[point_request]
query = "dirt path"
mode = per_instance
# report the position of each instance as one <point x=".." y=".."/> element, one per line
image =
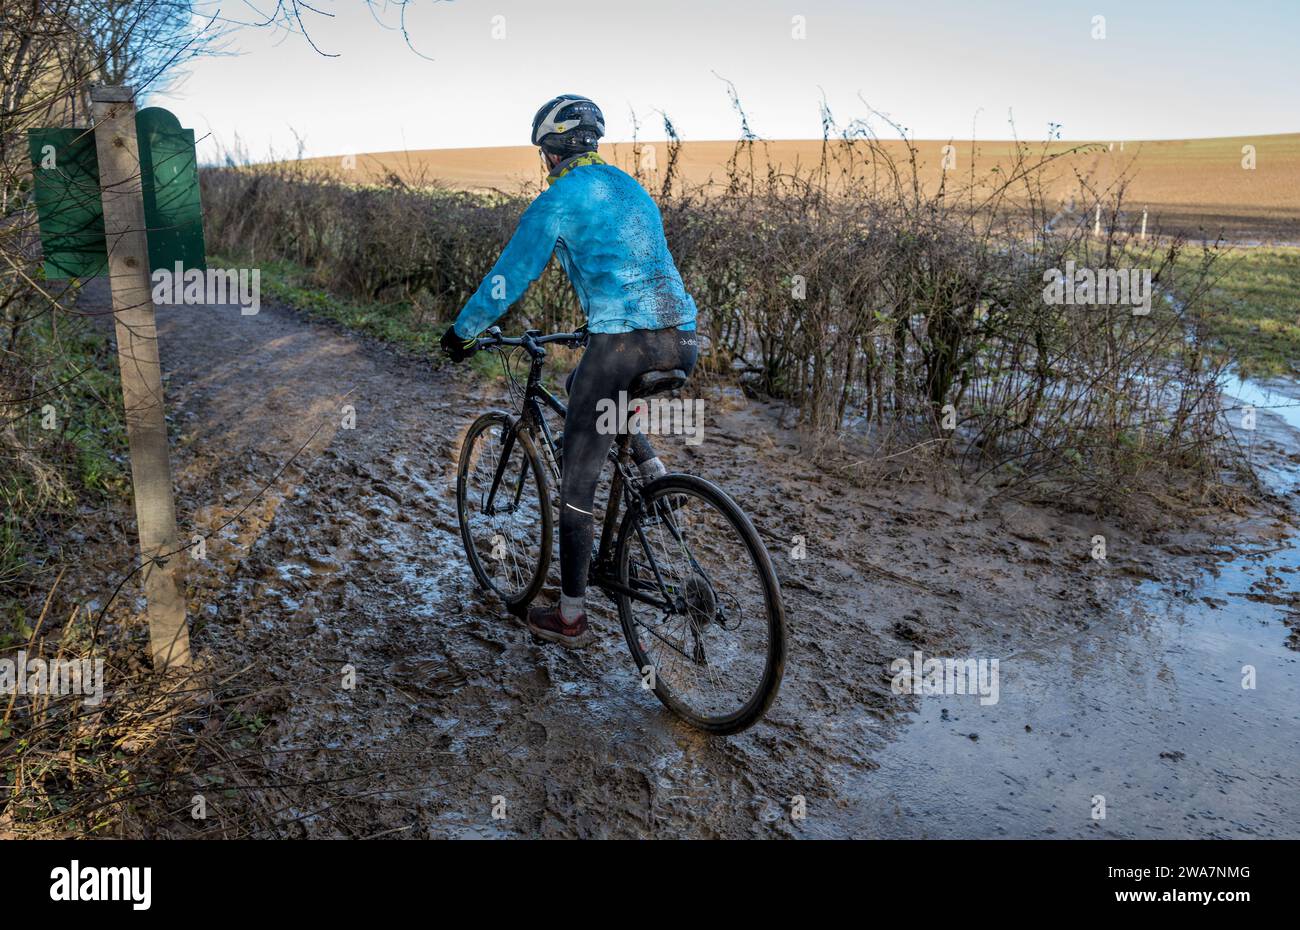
<point x="353" y="558"/>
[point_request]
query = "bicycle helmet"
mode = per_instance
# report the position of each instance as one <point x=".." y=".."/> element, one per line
<point x="567" y="125"/>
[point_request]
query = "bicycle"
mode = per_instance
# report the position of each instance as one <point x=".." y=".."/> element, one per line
<point x="712" y="652"/>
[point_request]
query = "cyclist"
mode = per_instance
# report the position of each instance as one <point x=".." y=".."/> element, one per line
<point x="609" y="237"/>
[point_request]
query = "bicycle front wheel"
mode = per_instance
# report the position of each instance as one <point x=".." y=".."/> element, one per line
<point x="708" y="632"/>
<point x="503" y="503"/>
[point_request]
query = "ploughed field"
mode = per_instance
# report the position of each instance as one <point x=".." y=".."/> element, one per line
<point x="1193" y="186"/>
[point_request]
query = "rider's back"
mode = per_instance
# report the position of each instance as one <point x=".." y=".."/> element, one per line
<point x="608" y="234"/>
<point x="612" y="245"/>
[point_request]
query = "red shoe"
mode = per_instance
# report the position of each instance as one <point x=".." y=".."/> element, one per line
<point x="548" y="623"/>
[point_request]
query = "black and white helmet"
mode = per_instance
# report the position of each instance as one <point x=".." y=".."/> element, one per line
<point x="568" y="124"/>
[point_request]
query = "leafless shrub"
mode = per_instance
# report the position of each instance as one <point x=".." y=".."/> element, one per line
<point x="907" y="316"/>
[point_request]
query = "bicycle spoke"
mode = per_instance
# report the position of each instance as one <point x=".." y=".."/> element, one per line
<point x="502" y="509"/>
<point x="710" y="651"/>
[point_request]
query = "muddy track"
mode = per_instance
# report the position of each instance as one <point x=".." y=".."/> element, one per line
<point x="352" y="558"/>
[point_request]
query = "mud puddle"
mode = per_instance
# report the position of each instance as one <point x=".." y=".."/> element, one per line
<point x="1177" y="715"/>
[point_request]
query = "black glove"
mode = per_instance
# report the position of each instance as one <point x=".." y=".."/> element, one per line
<point x="458" y="347"/>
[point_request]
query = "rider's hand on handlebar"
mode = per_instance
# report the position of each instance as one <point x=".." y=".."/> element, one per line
<point x="457" y="346"/>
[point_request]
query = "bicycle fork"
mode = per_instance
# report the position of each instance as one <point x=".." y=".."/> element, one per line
<point x="507" y="447"/>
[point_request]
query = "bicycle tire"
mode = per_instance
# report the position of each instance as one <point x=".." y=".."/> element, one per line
<point x="514" y="600"/>
<point x="761" y="700"/>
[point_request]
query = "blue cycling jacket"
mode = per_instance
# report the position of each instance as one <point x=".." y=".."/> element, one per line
<point x="610" y="239"/>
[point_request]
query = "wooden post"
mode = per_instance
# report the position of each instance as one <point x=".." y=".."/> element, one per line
<point x="137" y="355"/>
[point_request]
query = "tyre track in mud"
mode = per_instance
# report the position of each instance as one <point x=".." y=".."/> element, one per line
<point x="353" y="558"/>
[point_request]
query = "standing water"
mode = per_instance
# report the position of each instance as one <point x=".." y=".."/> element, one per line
<point x="1180" y="717"/>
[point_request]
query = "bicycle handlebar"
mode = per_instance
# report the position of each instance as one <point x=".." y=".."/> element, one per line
<point x="531" y="341"/>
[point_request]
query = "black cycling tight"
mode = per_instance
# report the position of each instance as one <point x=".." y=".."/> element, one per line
<point x="610" y="364"/>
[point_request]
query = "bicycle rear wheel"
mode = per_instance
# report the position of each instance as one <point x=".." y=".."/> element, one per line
<point x="713" y="649"/>
<point x="503" y="503"/>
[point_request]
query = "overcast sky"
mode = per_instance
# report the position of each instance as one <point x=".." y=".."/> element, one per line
<point x="1162" y="70"/>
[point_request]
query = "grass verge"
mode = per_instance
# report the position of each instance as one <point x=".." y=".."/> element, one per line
<point x="1259" y="290"/>
<point x="64" y="453"/>
<point x="403" y="323"/>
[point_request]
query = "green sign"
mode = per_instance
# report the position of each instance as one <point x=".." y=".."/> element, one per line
<point x="71" y="212"/>
<point x="172" y="209"/>
<point x="68" y="201"/>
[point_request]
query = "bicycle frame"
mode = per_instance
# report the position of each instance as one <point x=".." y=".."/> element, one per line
<point x="536" y="400"/>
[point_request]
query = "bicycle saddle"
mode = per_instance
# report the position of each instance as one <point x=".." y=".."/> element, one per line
<point x="656" y="382"/>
